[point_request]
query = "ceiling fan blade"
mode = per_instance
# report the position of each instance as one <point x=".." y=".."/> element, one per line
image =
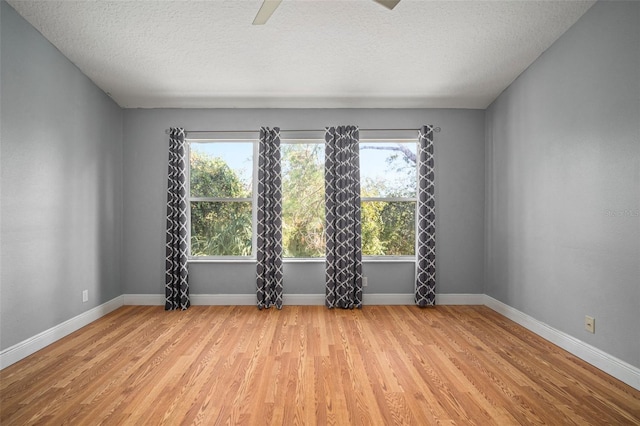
<point x="265" y="12"/>
<point x="389" y="4"/>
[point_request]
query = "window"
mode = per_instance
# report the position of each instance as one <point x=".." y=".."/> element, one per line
<point x="303" y="199"/>
<point x="388" y="179"/>
<point x="221" y="198"/>
<point x="388" y="191"/>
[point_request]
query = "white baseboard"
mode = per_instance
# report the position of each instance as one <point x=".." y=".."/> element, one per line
<point x="459" y="299"/>
<point x="144" y="299"/>
<point x="222" y="299"/>
<point x="387" y="299"/>
<point x="305" y="299"/>
<point x="33" y="344"/>
<point x="301" y="299"/>
<point x="619" y="369"/>
<point x="196" y="299"/>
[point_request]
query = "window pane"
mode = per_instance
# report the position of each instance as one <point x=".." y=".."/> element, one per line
<point x="303" y="200"/>
<point x="220" y="228"/>
<point x="388" y="228"/>
<point x="221" y="170"/>
<point x="388" y="169"/>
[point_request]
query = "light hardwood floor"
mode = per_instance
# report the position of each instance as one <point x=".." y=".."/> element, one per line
<point x="309" y="365"/>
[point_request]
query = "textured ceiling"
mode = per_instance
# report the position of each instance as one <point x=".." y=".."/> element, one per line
<point x="333" y="54"/>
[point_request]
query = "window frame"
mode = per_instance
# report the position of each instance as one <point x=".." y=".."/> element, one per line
<point x="253" y="199"/>
<point x="414" y="199"/>
<point x="302" y="141"/>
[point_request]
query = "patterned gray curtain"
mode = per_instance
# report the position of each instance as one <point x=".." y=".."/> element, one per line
<point x="269" y="237"/>
<point x="342" y="221"/>
<point x="426" y="222"/>
<point x="176" y="276"/>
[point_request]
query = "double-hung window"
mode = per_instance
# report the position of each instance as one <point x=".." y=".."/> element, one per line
<point x="388" y="178"/>
<point x="221" y="200"/>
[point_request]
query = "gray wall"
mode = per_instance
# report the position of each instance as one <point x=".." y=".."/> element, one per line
<point x="459" y="151"/>
<point x="563" y="183"/>
<point x="61" y="194"/>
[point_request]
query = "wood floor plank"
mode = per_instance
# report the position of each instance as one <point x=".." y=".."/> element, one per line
<point x="307" y="365"/>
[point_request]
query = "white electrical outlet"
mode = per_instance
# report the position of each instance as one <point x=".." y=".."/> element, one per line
<point x="85" y="296"/>
<point x="590" y="324"/>
<point x="365" y="281"/>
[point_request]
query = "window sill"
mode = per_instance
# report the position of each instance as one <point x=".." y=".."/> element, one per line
<point x="367" y="259"/>
<point x="390" y="259"/>
<point x="303" y="260"/>
<point x="211" y="260"/>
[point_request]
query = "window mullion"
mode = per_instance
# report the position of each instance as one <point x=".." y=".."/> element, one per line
<point x="221" y="199"/>
<point x="390" y="199"/>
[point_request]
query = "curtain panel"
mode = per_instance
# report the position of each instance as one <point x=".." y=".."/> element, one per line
<point x="176" y="274"/>
<point x="342" y="218"/>
<point x="269" y="223"/>
<point x="426" y="222"/>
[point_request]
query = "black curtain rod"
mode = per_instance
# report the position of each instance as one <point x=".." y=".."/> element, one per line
<point x="167" y="131"/>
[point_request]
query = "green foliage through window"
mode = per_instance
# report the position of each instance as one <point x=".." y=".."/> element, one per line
<point x="388" y="188"/>
<point x="221" y="207"/>
<point x="220" y="228"/>
<point x="388" y="228"/>
<point x="221" y="193"/>
<point x="303" y="200"/>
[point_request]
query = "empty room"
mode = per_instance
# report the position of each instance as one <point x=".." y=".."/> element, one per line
<point x="320" y="212"/>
